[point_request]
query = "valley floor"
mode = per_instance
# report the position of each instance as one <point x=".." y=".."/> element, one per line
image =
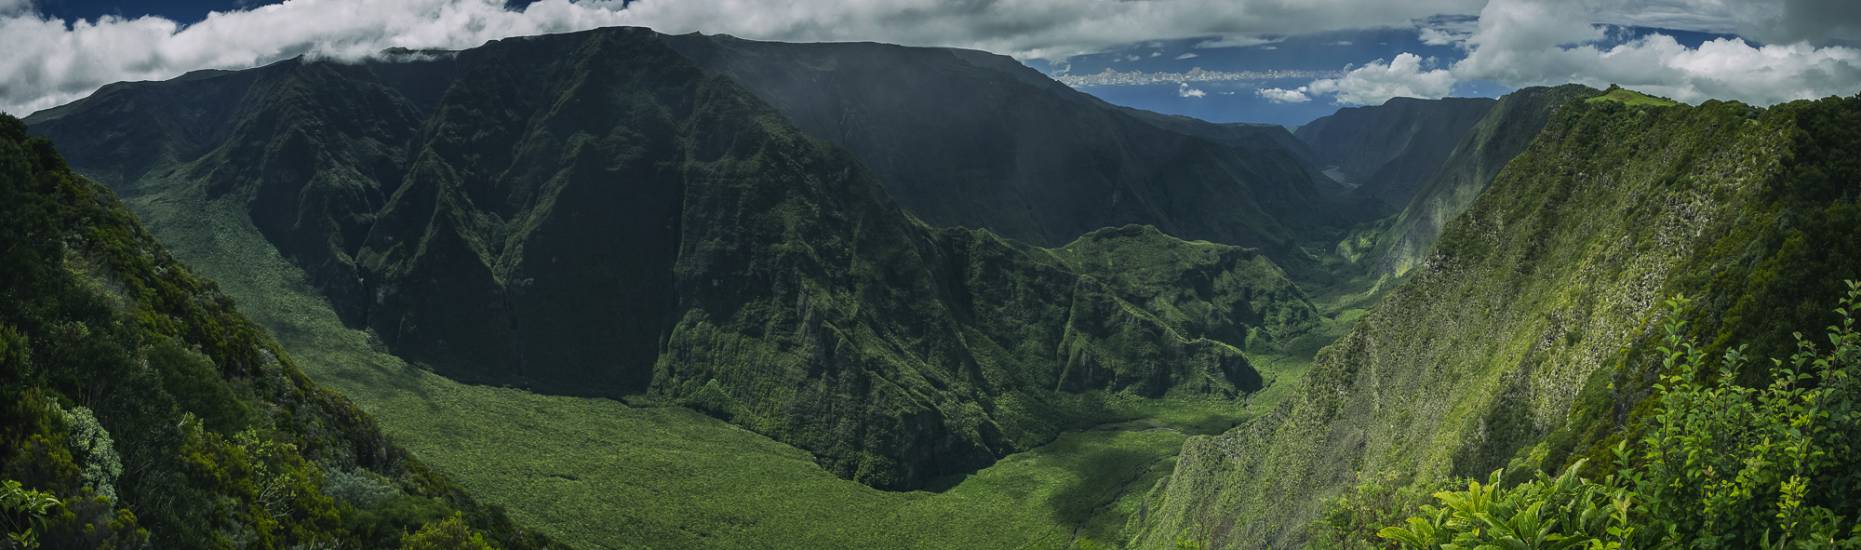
<point x="600" y="473"/>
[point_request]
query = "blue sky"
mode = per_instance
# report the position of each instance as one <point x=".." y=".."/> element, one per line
<point x="1273" y="61"/>
<point x="1236" y="101"/>
<point x="182" y="11"/>
<point x="186" y="11"/>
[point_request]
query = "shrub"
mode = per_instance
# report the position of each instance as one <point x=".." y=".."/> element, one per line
<point x="448" y="534"/>
<point x="1722" y="465"/>
<point x="23" y="513"/>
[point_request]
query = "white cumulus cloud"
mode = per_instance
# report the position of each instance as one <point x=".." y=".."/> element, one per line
<point x="1284" y="95"/>
<point x="1185" y="90"/>
<point x="1188" y="55"/>
<point x="1438" y="37"/>
<point x="1406" y="75"/>
<point x="49" y="62"/>
<point x="1548" y="42"/>
<point x="1533" y="42"/>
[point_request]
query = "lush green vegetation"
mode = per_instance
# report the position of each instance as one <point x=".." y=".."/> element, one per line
<point x="602" y="473"/>
<point x="1374" y="257"/>
<point x="598" y="214"/>
<point x="1625" y="96"/>
<point x="138" y="408"/>
<point x="1403" y="242"/>
<point x="1720" y="465"/>
<point x="1528" y="304"/>
<point x="24" y="513"/>
<point x="763" y="340"/>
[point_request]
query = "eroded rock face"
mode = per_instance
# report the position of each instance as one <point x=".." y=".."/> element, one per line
<point x="595" y="214"/>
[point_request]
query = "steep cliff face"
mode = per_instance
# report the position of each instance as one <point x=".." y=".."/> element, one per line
<point x="596" y="214"/>
<point x="1506" y="346"/>
<point x="1386" y="151"/>
<point x="1500" y="134"/>
<point x="134" y="394"/>
<point x="967" y="138"/>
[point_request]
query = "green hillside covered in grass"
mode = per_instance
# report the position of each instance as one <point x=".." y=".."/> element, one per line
<point x="1625" y="96"/>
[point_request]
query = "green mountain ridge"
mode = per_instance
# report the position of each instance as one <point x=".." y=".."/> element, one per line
<point x="1524" y="340"/>
<point x="973" y="139"/>
<point x="133" y="395"/>
<point x="1500" y="134"/>
<point x="622" y="222"/>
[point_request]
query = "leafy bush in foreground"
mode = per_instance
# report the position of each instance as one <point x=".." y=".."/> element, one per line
<point x="1721" y="466"/>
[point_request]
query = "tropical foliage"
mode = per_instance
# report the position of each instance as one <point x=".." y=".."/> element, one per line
<point x="1723" y="465"/>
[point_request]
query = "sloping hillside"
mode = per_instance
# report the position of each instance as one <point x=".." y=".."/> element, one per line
<point x="1501" y="133"/>
<point x="150" y="413"/>
<point x="1522" y="314"/>
<point x="594" y="214"/>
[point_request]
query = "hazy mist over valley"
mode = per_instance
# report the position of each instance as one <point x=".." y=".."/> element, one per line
<point x="1174" y="274"/>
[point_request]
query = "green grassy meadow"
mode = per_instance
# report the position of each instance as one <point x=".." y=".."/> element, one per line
<point x="600" y="473"/>
<point x="1633" y="98"/>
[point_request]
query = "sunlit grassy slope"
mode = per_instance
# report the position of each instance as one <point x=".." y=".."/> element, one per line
<point x="599" y="473"/>
<point x="1626" y="96"/>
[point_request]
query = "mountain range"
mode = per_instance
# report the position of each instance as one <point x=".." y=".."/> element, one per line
<point x="625" y="221"/>
<point x="988" y="309"/>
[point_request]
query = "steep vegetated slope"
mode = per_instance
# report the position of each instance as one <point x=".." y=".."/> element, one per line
<point x="968" y="138"/>
<point x="1507" y="346"/>
<point x="1262" y="138"/>
<point x="1386" y="151"/>
<point x="139" y="409"/>
<point x="584" y="468"/>
<point x="595" y="214"/>
<point x="1501" y="133"/>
